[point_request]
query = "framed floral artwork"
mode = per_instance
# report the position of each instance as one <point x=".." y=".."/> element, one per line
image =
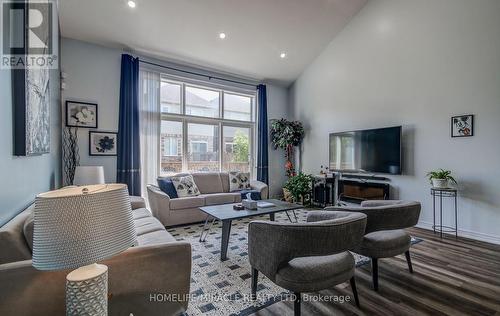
<point x="81" y="114"/>
<point x="102" y="143"/>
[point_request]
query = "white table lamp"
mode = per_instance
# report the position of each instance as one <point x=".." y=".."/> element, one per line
<point x="86" y="175"/>
<point x="77" y="227"/>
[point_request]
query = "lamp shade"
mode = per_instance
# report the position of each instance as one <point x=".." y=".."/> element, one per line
<point x="86" y="175"/>
<point x="78" y="226"/>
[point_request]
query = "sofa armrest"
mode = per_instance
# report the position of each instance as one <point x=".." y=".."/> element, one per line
<point x="135" y="276"/>
<point x="159" y="202"/>
<point x="140" y="273"/>
<point x="137" y="202"/>
<point x="261" y="187"/>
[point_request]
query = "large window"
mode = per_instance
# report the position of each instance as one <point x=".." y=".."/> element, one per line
<point x="171" y="146"/>
<point x="237" y="153"/>
<point x="203" y="145"/>
<point x="205" y="128"/>
<point x="238" y="107"/>
<point x="170" y="95"/>
<point x="202" y="102"/>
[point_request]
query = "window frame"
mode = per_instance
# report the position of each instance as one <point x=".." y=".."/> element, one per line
<point x="219" y="121"/>
<point x="181" y="95"/>
<point x="251" y="145"/>
<point x="183" y="103"/>
<point x="172" y="141"/>
<point x="252" y="105"/>
<point x="183" y="144"/>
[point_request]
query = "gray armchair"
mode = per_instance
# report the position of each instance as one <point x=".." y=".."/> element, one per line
<point x="385" y="236"/>
<point x="306" y="257"/>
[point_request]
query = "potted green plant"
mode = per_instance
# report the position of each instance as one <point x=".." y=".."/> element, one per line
<point x="299" y="187"/>
<point x="286" y="135"/>
<point x="441" y="178"/>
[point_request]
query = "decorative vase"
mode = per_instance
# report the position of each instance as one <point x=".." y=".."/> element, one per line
<point x="440" y="183"/>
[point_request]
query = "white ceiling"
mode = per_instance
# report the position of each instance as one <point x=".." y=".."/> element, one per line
<point x="187" y="30"/>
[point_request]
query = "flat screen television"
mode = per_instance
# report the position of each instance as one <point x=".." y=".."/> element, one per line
<point x="372" y="150"/>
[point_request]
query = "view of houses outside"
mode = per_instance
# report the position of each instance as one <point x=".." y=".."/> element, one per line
<point x="203" y="138"/>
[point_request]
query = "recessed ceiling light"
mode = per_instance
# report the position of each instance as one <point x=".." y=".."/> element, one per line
<point x="283" y="55"/>
<point x="222" y="35"/>
<point x="131" y="4"/>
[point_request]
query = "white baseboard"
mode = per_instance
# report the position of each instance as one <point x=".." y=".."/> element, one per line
<point x="494" y="239"/>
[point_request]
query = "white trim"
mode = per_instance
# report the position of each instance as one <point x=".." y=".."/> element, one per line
<point x="196" y="80"/>
<point x="494" y="239"/>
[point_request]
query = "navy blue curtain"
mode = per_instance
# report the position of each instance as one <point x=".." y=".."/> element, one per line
<point x="128" y="164"/>
<point x="262" y="154"/>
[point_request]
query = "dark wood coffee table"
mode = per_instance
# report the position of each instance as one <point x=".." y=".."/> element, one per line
<point x="227" y="214"/>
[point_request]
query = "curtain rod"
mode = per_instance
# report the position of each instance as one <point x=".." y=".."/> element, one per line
<point x="196" y="74"/>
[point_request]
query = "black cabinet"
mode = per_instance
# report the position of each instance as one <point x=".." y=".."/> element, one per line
<point x="323" y="191"/>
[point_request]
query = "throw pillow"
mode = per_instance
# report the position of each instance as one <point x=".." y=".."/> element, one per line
<point x="239" y="181"/>
<point x="254" y="194"/>
<point x="166" y="185"/>
<point x="185" y="186"/>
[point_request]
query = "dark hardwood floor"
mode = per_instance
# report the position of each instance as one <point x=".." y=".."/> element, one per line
<point x="451" y="277"/>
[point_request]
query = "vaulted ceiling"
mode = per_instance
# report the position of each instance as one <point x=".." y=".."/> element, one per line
<point x="257" y="31"/>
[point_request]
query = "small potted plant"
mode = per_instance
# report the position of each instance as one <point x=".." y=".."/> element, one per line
<point x="299" y="187"/>
<point x="441" y="178"/>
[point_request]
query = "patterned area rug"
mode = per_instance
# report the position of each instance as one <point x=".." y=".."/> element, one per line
<point x="223" y="288"/>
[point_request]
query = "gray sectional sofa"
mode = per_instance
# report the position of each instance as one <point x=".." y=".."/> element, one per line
<point x="214" y="189"/>
<point x="157" y="265"/>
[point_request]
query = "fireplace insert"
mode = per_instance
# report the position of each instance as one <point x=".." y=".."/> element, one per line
<point x="356" y="191"/>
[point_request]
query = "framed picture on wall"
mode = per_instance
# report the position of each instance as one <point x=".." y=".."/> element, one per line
<point x="81" y="114"/>
<point x="31" y="95"/>
<point x="31" y="99"/>
<point x="462" y="126"/>
<point x="102" y="143"/>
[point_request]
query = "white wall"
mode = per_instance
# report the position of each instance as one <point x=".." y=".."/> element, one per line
<point x="93" y="75"/>
<point x="415" y="63"/>
<point x="277" y="108"/>
<point x="25" y="177"/>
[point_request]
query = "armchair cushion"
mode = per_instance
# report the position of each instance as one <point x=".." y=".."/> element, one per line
<point x="310" y="274"/>
<point x="166" y="185"/>
<point x="385" y="243"/>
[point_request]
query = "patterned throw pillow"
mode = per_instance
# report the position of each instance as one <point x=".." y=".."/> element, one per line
<point x="239" y="181"/>
<point x="166" y="185"/>
<point x="185" y="186"/>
